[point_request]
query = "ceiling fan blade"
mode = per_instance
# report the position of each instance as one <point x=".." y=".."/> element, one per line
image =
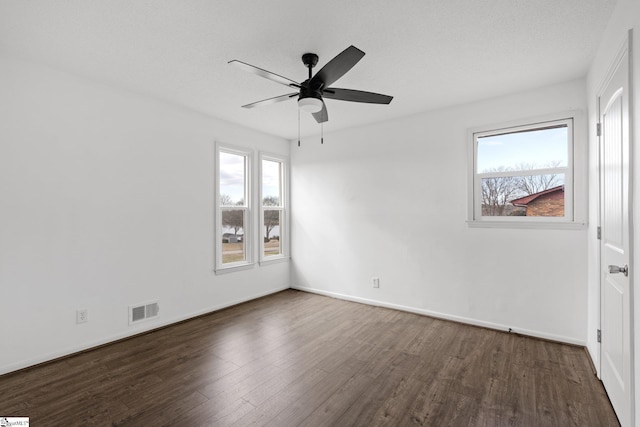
<point x="264" y="73"/>
<point x="322" y="115"/>
<point x="356" y="96"/>
<point x="270" y="101"/>
<point x="337" y="67"/>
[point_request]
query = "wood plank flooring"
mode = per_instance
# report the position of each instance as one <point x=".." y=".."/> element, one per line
<point x="295" y="358"/>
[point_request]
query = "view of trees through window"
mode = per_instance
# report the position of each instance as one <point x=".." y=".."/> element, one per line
<point x="523" y="172"/>
<point x="499" y="193"/>
<point x="233" y="234"/>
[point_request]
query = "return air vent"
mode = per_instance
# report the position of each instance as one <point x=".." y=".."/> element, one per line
<point x="141" y="312"/>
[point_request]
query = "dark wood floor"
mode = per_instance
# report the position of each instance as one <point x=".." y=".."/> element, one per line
<point x="295" y="358"/>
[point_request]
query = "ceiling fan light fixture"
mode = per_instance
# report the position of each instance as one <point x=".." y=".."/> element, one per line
<point x="310" y="104"/>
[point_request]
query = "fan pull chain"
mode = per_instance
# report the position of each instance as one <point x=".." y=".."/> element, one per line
<point x="321" y="133"/>
<point x="298" y="127"/>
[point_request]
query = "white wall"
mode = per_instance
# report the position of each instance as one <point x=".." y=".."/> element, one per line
<point x="390" y="201"/>
<point x="106" y="200"/>
<point x="625" y="16"/>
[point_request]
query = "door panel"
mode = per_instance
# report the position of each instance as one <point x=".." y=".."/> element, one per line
<point x="614" y="247"/>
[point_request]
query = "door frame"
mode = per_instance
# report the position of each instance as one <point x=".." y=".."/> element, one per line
<point x="625" y="49"/>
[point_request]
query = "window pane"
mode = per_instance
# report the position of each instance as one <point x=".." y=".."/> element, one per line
<point x="271" y="183"/>
<point x="272" y="221"/>
<point x="528" y="150"/>
<point x="233" y="236"/>
<point x="532" y="195"/>
<point x="232" y="179"/>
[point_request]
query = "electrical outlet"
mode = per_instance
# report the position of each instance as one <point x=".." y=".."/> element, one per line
<point x="376" y="282"/>
<point x="82" y="315"/>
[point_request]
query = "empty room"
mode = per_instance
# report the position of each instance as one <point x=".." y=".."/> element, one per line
<point x="285" y="213"/>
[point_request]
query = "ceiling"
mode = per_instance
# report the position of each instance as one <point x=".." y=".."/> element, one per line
<point x="428" y="54"/>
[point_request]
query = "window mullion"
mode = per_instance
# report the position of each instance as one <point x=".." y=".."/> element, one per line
<point x="531" y="172"/>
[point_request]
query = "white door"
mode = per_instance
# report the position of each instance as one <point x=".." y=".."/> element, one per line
<point x="616" y="347"/>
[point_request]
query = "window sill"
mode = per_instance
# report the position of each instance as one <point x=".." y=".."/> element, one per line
<point x="232" y="268"/>
<point x="275" y="260"/>
<point x="548" y="225"/>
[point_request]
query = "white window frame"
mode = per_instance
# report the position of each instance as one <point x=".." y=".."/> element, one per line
<point x="247" y="208"/>
<point x="571" y="218"/>
<point x="283" y="208"/>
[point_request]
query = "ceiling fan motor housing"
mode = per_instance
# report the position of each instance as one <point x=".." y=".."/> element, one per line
<point x="307" y="92"/>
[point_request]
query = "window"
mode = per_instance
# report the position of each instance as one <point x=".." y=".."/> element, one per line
<point x="273" y="207"/>
<point x="233" y="219"/>
<point x="523" y="174"/>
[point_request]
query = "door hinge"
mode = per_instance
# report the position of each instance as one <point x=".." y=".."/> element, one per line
<point x="599" y="335"/>
<point x="599" y="233"/>
<point x="599" y="129"/>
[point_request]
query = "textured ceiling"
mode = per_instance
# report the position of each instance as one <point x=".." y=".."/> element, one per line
<point x="428" y="54"/>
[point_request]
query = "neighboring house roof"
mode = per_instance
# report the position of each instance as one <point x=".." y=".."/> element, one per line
<point x="524" y="201"/>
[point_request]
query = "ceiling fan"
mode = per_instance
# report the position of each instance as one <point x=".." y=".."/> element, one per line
<point x="312" y="91"/>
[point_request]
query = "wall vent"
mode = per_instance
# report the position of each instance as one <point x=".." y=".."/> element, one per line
<point x="141" y="312"/>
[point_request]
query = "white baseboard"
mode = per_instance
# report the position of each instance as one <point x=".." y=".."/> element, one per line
<point x="166" y="322"/>
<point x="129" y="333"/>
<point x="592" y="350"/>
<point x="460" y="319"/>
